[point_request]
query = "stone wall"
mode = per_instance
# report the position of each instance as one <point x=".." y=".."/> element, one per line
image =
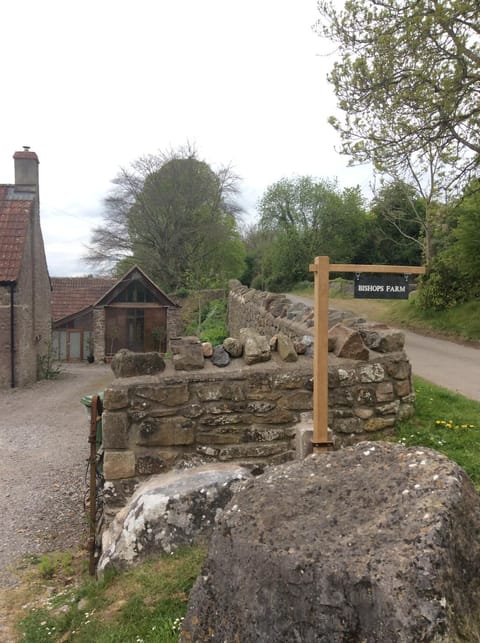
<point x="271" y="313"/>
<point x="250" y="414"/>
<point x="244" y="414"/>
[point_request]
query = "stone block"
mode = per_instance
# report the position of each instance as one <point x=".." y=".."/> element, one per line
<point x="115" y="399"/>
<point x="115" y="430"/>
<point x="167" y="394"/>
<point x="389" y="409"/>
<point x="235" y="391"/>
<point x="297" y="400"/>
<point x="365" y="395"/>
<point x="118" y="465"/>
<point x="347" y="425"/>
<point x="286" y="349"/>
<point x="187" y="353"/>
<point x="399" y="369"/>
<point x="303" y="441"/>
<point x="364" y="413"/>
<point x="125" y="363"/>
<point x="233" y="346"/>
<point x="377" y="424"/>
<point x="220" y="435"/>
<point x="384" y="392"/>
<point x="403" y="387"/>
<point x="348" y="343"/>
<point x="256" y="348"/>
<point x="169" y="431"/>
<point x="239" y="451"/>
<point x="371" y="373"/>
<point x="207" y="349"/>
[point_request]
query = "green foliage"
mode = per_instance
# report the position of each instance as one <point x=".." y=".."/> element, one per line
<point x="407" y="82"/>
<point x="446" y="422"/>
<point x="302" y="218"/>
<point x="445" y="284"/>
<point x="145" y="603"/>
<point x="467" y="232"/>
<point x="48" y="365"/>
<point x="396" y="226"/>
<point x="176" y="218"/>
<point x="212" y="323"/>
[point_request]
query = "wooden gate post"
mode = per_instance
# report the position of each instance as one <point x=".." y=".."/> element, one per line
<point x="320" y="440"/>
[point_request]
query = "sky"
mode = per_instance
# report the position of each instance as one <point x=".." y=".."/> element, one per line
<point x="91" y="86"/>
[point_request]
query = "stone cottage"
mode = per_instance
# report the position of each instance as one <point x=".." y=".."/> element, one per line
<point x="25" y="294"/>
<point x="97" y="316"/>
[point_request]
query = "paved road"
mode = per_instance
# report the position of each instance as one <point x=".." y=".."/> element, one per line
<point x="440" y="361"/>
<point x="445" y="363"/>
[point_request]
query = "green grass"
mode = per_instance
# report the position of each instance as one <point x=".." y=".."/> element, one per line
<point x="142" y="605"/>
<point x="447" y="422"/>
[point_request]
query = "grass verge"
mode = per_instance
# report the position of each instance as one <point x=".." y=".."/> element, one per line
<point x="144" y="604"/>
<point x="447" y="422"/>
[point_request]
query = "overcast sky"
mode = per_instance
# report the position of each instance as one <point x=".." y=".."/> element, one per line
<point x="91" y="86"/>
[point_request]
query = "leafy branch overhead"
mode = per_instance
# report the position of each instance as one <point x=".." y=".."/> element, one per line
<point x="408" y="83"/>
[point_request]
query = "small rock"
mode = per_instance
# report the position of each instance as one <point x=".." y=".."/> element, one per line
<point x="220" y="357"/>
<point x="207" y="349"/>
<point x="233" y="346"/>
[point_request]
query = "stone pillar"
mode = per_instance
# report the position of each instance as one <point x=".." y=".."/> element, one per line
<point x="98" y="332"/>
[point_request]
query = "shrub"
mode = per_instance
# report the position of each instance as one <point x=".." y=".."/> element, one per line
<point x="444" y="285"/>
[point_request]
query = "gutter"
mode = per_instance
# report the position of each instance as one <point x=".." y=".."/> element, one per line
<point x="11" y="285"/>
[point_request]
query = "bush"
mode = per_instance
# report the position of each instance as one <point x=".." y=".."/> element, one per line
<point x="213" y="327"/>
<point x="445" y="285"/>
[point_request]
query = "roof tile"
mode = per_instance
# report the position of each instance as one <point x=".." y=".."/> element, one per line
<point x="70" y="295"/>
<point x="15" y="211"/>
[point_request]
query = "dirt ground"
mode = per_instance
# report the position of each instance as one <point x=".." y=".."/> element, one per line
<point x="43" y="453"/>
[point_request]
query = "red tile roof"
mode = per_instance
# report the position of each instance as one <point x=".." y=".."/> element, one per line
<point x="71" y="295"/>
<point x="15" y="213"/>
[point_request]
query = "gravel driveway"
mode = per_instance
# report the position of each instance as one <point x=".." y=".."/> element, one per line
<point x="43" y="458"/>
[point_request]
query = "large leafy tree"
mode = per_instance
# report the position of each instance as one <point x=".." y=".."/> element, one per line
<point x="175" y="217"/>
<point x="407" y="80"/>
<point x="415" y="61"/>
<point x="307" y="217"/>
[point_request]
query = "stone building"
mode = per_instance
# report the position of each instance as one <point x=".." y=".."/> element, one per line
<point x="97" y="316"/>
<point x="25" y="294"/>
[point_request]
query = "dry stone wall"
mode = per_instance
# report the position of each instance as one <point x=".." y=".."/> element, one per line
<point x="248" y="414"/>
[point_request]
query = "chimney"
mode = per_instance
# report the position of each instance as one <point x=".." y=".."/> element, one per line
<point x="26" y="171"/>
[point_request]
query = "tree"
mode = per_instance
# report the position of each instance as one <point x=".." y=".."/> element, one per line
<point x="309" y="217"/>
<point x="408" y="82"/>
<point x="466" y="247"/>
<point x="399" y="223"/>
<point x="176" y="218"/>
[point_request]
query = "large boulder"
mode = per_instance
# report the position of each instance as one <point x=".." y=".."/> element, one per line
<point x="169" y="510"/>
<point x="125" y="363"/>
<point x="375" y="542"/>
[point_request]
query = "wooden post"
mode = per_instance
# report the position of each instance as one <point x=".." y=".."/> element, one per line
<point x="320" y="439"/>
<point x="322" y="269"/>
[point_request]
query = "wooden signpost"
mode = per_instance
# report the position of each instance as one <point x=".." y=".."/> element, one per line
<point x="322" y="269"/>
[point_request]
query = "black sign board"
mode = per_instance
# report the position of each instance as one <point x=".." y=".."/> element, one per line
<point x="387" y="286"/>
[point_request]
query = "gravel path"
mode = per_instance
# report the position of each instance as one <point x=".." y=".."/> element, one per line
<point x="43" y="458"/>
